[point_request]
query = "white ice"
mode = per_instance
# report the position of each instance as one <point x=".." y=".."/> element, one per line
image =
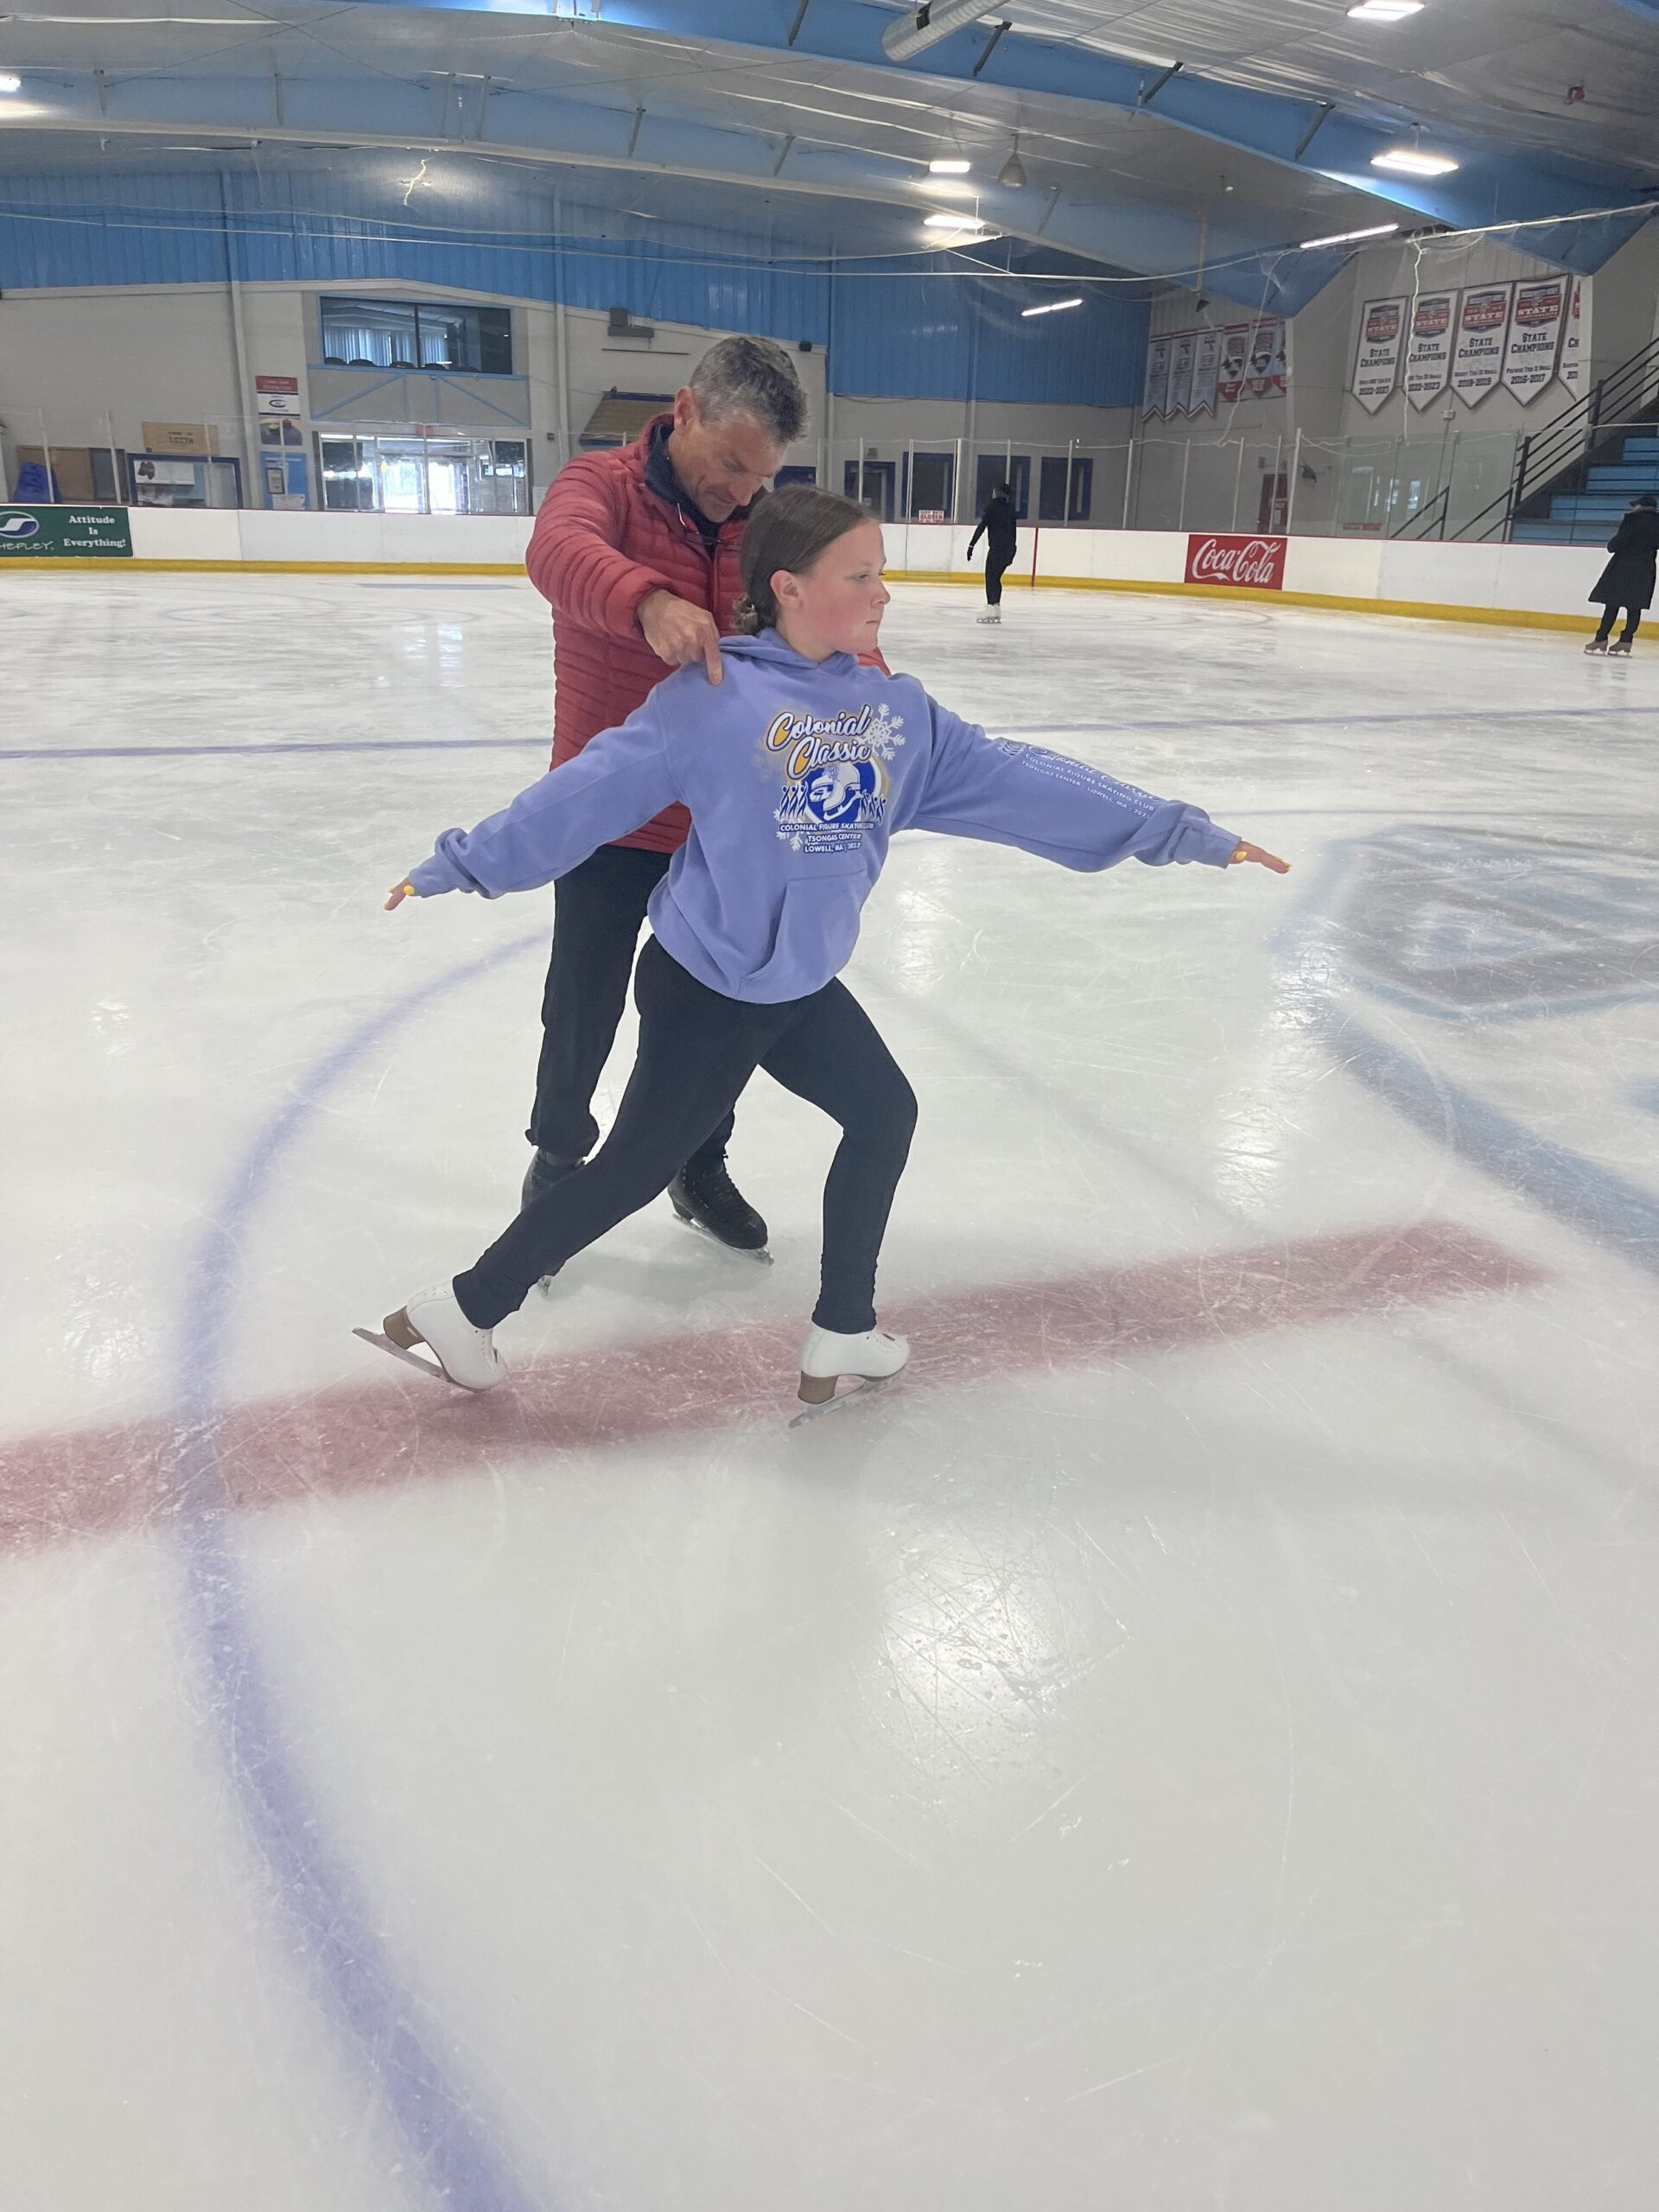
<point x="1200" y="1754"/>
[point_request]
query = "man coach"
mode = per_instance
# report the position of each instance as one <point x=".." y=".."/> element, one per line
<point x="636" y="551"/>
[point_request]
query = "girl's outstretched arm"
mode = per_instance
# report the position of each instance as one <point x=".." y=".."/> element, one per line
<point x="619" y="779"/>
<point x="1009" y="794"/>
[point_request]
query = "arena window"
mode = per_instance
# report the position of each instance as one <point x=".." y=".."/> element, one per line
<point x="417" y="334"/>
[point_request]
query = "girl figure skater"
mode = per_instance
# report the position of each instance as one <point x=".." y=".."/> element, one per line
<point x="997" y="525"/>
<point x="797" y="769"/>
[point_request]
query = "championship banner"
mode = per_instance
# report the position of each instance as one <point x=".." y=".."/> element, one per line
<point x="1534" y="342"/>
<point x="1269" y="371"/>
<point x="1182" y="347"/>
<point x="65" y="533"/>
<point x="1483" y="333"/>
<point x="1234" y="359"/>
<point x="1156" y="400"/>
<point x="1206" y="367"/>
<point x="1575" y="346"/>
<point x="1246" y="563"/>
<point x="1376" y="358"/>
<point x="1429" y="349"/>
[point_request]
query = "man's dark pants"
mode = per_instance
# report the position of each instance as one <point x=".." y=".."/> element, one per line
<point x="599" y="910"/>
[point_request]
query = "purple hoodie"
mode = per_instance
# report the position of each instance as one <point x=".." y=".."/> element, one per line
<point x="796" y="774"/>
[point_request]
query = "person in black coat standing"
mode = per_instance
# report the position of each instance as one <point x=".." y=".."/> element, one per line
<point x="1627" y="581"/>
<point x="996" y="526"/>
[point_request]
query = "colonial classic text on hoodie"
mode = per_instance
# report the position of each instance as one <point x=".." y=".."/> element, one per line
<point x="796" y="774"/>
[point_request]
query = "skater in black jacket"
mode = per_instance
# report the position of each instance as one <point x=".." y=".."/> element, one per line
<point x="996" y="526"/>
<point x="1628" y="579"/>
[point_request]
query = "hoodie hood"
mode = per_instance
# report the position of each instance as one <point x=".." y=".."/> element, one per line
<point x="767" y="649"/>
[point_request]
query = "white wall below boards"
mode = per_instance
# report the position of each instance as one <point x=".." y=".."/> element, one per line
<point x="251" y="534"/>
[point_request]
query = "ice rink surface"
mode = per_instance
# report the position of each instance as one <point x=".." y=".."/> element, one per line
<point x="1191" y="1744"/>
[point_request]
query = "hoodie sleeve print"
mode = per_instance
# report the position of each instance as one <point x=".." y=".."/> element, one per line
<point x="619" y="780"/>
<point x="1008" y="794"/>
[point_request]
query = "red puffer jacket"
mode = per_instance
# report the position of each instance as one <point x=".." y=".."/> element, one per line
<point x="602" y="541"/>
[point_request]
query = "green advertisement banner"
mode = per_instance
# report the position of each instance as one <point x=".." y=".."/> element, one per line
<point x="65" y="534"/>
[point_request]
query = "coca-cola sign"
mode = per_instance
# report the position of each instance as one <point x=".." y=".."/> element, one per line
<point x="1246" y="563"/>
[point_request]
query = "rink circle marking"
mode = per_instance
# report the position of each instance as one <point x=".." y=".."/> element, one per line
<point x="1596" y="1201"/>
<point x="314" y="1888"/>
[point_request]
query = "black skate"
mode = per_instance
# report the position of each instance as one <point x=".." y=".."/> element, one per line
<point x="545" y="1170"/>
<point x="1619" y="645"/>
<point x="707" y="1198"/>
<point x="1597" y="645"/>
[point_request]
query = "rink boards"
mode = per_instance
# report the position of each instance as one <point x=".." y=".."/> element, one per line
<point x="1531" y="586"/>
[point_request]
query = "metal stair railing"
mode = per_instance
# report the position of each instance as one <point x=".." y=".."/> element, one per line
<point x="1622" y="399"/>
<point x="1429" y="521"/>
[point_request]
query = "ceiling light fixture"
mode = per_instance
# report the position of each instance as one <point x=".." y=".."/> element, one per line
<point x="953" y="223"/>
<point x="10" y="83"/>
<point x="1051" y="306"/>
<point x="1408" y="161"/>
<point x="949" y="169"/>
<point x="1350" y="238"/>
<point x="1013" y="171"/>
<point x="925" y="26"/>
<point x="1385" y="11"/>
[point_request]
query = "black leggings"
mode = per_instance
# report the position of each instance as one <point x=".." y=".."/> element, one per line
<point x="1609" y="615"/>
<point x="996" y="562"/>
<point x="599" y="910"/>
<point x="697" y="1049"/>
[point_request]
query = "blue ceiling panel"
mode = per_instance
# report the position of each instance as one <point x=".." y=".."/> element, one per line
<point x="922" y="326"/>
<point x="918" y="325"/>
<point x="79" y="231"/>
<point x="942" y="334"/>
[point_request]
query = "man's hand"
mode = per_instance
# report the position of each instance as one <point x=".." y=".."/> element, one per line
<point x="679" y="633"/>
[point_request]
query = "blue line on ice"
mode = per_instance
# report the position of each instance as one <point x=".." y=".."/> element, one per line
<point x="542" y="742"/>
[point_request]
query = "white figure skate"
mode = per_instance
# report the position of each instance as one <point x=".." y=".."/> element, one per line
<point x="870" y="1359"/>
<point x="465" y="1355"/>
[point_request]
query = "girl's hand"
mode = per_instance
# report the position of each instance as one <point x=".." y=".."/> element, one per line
<point x="1265" y="860"/>
<point x="406" y="890"/>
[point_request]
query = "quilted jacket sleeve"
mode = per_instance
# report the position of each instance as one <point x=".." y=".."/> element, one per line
<point x="576" y="559"/>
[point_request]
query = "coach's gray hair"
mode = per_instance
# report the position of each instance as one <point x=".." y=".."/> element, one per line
<point x="755" y="378"/>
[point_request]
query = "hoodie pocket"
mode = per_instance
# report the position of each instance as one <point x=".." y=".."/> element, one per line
<point x="817" y="931"/>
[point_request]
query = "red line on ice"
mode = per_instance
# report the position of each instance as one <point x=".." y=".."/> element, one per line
<point x="360" y="1435"/>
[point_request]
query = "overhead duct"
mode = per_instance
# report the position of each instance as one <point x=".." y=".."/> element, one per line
<point x="933" y="20"/>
